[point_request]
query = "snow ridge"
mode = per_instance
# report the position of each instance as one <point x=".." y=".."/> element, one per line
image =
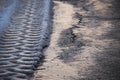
<point x="45" y="25"/>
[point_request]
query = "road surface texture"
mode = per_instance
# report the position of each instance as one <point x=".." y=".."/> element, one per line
<point x="25" y="29"/>
<point x="85" y="43"/>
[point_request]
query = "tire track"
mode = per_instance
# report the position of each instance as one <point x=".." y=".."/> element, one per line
<point x="6" y="12"/>
<point x="20" y="49"/>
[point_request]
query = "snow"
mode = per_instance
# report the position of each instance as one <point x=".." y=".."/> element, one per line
<point x="6" y="13"/>
<point x="45" y="25"/>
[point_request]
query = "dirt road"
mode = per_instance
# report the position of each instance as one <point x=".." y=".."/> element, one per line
<point x="85" y="42"/>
